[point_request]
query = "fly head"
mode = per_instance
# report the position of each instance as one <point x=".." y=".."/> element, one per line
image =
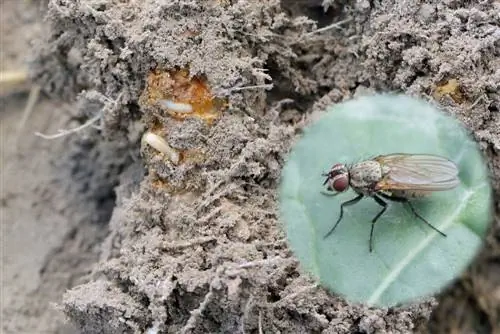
<point x="337" y="178"/>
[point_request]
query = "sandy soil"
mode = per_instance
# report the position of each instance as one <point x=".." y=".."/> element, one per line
<point x="110" y="235"/>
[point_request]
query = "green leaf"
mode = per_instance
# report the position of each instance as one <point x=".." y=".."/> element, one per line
<point x="409" y="261"/>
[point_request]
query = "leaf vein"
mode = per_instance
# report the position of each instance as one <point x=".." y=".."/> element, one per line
<point x="394" y="274"/>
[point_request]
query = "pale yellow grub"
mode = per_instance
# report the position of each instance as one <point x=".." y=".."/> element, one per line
<point x="161" y="145"/>
<point x="182" y="108"/>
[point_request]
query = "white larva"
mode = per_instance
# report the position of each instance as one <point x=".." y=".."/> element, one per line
<point x="161" y="145"/>
<point x="183" y="108"/>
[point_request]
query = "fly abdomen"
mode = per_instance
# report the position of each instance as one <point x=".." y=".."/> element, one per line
<point x="409" y="193"/>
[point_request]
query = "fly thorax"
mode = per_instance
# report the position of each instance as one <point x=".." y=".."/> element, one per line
<point x="365" y="174"/>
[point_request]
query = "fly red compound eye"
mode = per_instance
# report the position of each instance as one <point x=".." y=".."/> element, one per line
<point x="337" y="178"/>
<point x="340" y="183"/>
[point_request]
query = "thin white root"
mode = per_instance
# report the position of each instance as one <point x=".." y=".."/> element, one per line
<point x="236" y="270"/>
<point x="329" y="27"/>
<point x="265" y="262"/>
<point x="246" y="313"/>
<point x="225" y="91"/>
<point x="28" y="109"/>
<point x="187" y="244"/>
<point x="259" y="73"/>
<point x="63" y="133"/>
<point x="197" y="313"/>
<point x="260" y="322"/>
<point x="476" y="102"/>
<point x="299" y="292"/>
<point x="183" y="108"/>
<point x="161" y="145"/>
<point x="265" y="86"/>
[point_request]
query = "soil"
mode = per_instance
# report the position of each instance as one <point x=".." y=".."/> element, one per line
<point x="101" y="233"/>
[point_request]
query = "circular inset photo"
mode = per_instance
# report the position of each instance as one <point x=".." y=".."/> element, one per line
<point x="385" y="200"/>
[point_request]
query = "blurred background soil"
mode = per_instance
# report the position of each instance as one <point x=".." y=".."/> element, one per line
<point x="101" y="234"/>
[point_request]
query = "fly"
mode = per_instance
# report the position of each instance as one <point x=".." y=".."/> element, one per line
<point x="394" y="177"/>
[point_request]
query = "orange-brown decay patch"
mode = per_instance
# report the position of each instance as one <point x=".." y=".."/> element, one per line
<point x="190" y="33"/>
<point x="192" y="156"/>
<point x="159" y="183"/>
<point x="156" y="127"/>
<point x="450" y="88"/>
<point x="178" y="87"/>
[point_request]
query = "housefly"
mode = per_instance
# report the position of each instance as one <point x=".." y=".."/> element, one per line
<point x="394" y="177"/>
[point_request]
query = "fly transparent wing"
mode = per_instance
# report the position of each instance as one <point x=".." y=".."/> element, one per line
<point x="418" y="172"/>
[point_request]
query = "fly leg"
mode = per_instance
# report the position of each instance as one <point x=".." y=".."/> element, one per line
<point x="329" y="193"/>
<point x="405" y="200"/>
<point x="383" y="204"/>
<point x="349" y="202"/>
<point x="422" y="219"/>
